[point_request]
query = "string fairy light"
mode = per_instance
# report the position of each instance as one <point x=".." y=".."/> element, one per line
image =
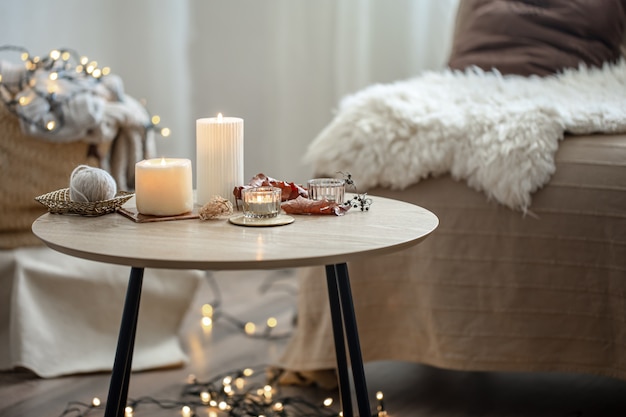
<point x="247" y="392"/>
<point x="255" y="395"/>
<point x="47" y="79"/>
<point x="212" y="311"/>
<point x="255" y="398"/>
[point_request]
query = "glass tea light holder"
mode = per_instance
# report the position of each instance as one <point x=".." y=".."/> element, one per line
<point x="331" y="189"/>
<point x="261" y="202"/>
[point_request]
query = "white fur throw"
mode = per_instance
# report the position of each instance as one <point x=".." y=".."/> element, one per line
<point x="497" y="133"/>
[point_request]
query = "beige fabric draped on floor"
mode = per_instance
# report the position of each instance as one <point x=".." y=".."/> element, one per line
<point x="61" y="315"/>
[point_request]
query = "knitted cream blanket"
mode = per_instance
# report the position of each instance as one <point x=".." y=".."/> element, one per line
<point x="497" y="133"/>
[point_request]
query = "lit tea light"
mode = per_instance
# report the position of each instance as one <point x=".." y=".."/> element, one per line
<point x="163" y="187"/>
<point x="261" y="202"/>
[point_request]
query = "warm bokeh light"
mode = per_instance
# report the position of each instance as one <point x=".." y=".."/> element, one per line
<point x="249" y="328"/>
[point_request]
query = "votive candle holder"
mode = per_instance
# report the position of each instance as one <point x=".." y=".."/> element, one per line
<point x="261" y="202"/>
<point x="331" y="189"/>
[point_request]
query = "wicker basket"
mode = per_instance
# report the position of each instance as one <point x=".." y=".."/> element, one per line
<point x="59" y="202"/>
<point x="30" y="167"/>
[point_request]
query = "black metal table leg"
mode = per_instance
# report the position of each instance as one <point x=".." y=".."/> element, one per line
<point x="120" y="377"/>
<point x="352" y="337"/>
<point x="344" y="319"/>
<point x="340" y="348"/>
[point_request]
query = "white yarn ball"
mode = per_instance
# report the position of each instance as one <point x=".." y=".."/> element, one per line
<point x="91" y="184"/>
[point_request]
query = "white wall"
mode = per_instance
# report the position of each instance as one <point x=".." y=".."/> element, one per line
<point x="282" y="65"/>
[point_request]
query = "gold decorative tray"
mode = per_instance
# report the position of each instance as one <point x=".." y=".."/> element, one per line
<point x="59" y="202"/>
<point x="279" y="220"/>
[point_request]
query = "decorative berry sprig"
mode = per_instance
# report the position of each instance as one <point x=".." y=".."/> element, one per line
<point x="360" y="201"/>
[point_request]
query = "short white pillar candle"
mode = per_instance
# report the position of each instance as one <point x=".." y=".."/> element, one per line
<point x="163" y="187"/>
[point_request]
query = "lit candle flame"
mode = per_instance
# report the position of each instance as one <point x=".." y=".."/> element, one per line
<point x="162" y="160"/>
<point x="219" y="117"/>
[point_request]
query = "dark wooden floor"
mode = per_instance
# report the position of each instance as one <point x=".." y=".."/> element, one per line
<point x="409" y="389"/>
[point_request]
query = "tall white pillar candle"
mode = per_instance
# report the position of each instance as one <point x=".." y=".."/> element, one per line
<point x="219" y="157"/>
<point x="163" y="187"/>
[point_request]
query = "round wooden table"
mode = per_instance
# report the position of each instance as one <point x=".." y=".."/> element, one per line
<point x="388" y="226"/>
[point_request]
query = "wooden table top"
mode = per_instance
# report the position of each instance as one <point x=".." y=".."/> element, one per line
<point x="388" y="226"/>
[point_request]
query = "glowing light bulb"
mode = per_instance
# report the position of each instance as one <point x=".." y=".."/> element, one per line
<point x="186" y="411"/>
<point x="222" y="405"/>
<point x="97" y="73"/>
<point x="249" y="328"/>
<point x="128" y="411"/>
<point x="84" y="60"/>
<point x="51" y="125"/>
<point x="207" y="310"/>
<point x="279" y="406"/>
<point x="248" y="372"/>
<point x="328" y="402"/>
<point x="381" y="407"/>
<point x="96" y="402"/>
<point x="54" y="76"/>
<point x="227" y="380"/>
<point x="79" y="68"/>
<point x="165" y="132"/>
<point x="205" y="397"/>
<point x="55" y="54"/>
<point x="156" y="119"/>
<point x="65" y="56"/>
<point x="272" y="322"/>
<point x="24" y="56"/>
<point x="207" y="322"/>
<point x="91" y="67"/>
<point x="106" y="71"/>
<point x="240" y="383"/>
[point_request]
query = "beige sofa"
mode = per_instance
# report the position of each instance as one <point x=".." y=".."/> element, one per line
<point x="494" y="289"/>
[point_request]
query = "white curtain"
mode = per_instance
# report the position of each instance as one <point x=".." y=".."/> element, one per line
<point x="281" y="65"/>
